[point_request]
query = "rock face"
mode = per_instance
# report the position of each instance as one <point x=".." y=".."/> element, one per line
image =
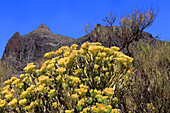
<point x="12" y="50"/>
<point x="21" y="50"/>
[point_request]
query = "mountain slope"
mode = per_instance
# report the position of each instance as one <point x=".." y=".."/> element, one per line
<point x="21" y="50"/>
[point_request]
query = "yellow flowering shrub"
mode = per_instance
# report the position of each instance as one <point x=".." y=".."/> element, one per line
<point x="85" y="80"/>
<point x="22" y="102"/>
<point x="13" y="103"/>
<point x="2" y="103"/>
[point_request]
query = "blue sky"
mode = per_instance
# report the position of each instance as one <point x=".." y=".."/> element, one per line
<point x="69" y="17"/>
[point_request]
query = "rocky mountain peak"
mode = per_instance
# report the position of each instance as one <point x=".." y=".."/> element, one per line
<point x="14" y="44"/>
<point x="43" y="26"/>
<point x="43" y="29"/>
<point x="17" y="34"/>
<point x="21" y="50"/>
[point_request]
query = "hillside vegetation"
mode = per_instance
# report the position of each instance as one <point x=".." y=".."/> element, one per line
<point x="152" y="76"/>
<point x="6" y="70"/>
<point x="97" y="77"/>
<point x="93" y="79"/>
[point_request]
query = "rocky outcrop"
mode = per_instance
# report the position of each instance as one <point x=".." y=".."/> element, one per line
<point x="21" y="50"/>
<point x="12" y="50"/>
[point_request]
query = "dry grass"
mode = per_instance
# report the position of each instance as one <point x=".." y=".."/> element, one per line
<point x="152" y="80"/>
<point x="6" y="71"/>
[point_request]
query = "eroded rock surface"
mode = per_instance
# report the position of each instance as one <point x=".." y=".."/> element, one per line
<point x="21" y="50"/>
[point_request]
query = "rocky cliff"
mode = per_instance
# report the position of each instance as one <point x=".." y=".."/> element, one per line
<point x="21" y="50"/>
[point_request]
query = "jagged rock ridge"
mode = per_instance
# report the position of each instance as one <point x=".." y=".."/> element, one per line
<point x="21" y="50"/>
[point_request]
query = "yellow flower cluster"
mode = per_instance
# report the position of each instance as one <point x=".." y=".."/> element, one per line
<point x="54" y="104"/>
<point x="16" y="81"/>
<point x="150" y="106"/>
<point x="61" y="70"/>
<point x="33" y="104"/>
<point x="75" y="72"/>
<point x="114" y="111"/>
<point x="26" y="79"/>
<point x="9" y="96"/>
<point x="86" y="110"/>
<point x="23" y="102"/>
<point x="82" y="90"/>
<point x="109" y="91"/>
<point x="53" y="60"/>
<point x="85" y="45"/>
<point x="73" y="55"/>
<point x="115" y="48"/>
<point x="74" y="46"/>
<point x="95" y="49"/>
<point x="8" y="82"/>
<point x="6" y="91"/>
<point x="50" y="66"/>
<point x="97" y="79"/>
<point x="81" y="102"/>
<point x="13" y="102"/>
<point x="2" y="103"/>
<point x="30" y="67"/>
<point x="49" y="54"/>
<point x="63" y="48"/>
<point x="52" y="93"/>
<point x="58" y="52"/>
<point x="31" y="107"/>
<point x="58" y="77"/>
<point x="61" y="61"/>
<point x="101" y="108"/>
<point x="43" y="67"/>
<point x="75" y="96"/>
<point x="43" y="79"/>
<point x="115" y="100"/>
<point x="96" y="66"/>
<point x="101" y="54"/>
<point x="76" y="80"/>
<point x="22" y="76"/>
<point x="123" y="58"/>
<point x="73" y="80"/>
<point x="99" y="98"/>
<point x="95" y="92"/>
<point x="6" y="87"/>
<point x="31" y="88"/>
<point x="42" y="88"/>
<point x="96" y="43"/>
<point x="108" y="51"/>
<point x="24" y="94"/>
<point x="14" y="78"/>
<point x="78" y="72"/>
<point x="69" y="111"/>
<point x="66" y="54"/>
<point x="83" y="51"/>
